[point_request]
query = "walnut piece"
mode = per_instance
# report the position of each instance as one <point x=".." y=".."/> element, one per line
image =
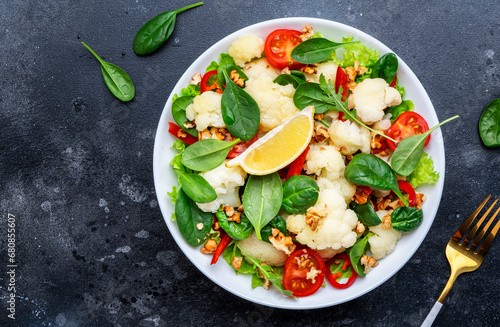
<point x="196" y="79"/>
<point x="232" y="215"/>
<point x="307" y="32"/>
<point x="368" y="262"/>
<point x="308" y="70"/>
<point x="360" y="196"/>
<point x="386" y="222"/>
<point x="360" y="228"/>
<point x="199" y="226"/>
<point x="189" y="124"/>
<point x="235" y="77"/>
<point x="281" y="242"/>
<point x="313" y="216"/>
<point x="420" y="200"/>
<point x="209" y="247"/>
<point x="237" y="261"/>
<point x="320" y="133"/>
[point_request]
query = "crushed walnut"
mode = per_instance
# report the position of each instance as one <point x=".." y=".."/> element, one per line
<point x="352" y="72"/>
<point x="199" y="226"/>
<point x="235" y="77"/>
<point x="286" y="70"/>
<point x="196" y="79"/>
<point x="368" y="262"/>
<point x="319" y="116"/>
<point x="420" y="200"/>
<point x="308" y="70"/>
<point x="215" y="133"/>
<point x="360" y="196"/>
<point x="320" y="133"/>
<point x="313" y="216"/>
<point x="307" y="32"/>
<point x="359" y="228"/>
<point x="237" y="261"/>
<point x="189" y="124"/>
<point x="281" y="242"/>
<point x="386" y="222"/>
<point x="209" y="247"/>
<point x="181" y="134"/>
<point x="232" y="215"/>
<point x="312" y="273"/>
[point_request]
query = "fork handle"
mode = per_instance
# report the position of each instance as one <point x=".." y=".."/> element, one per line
<point x="432" y="315"/>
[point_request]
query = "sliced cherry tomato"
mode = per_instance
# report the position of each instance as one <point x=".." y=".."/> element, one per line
<point x="407" y="124"/>
<point x="343" y="259"/>
<point x="297" y="165"/>
<point x="181" y="134"/>
<point x="279" y="44"/>
<point x="208" y="82"/>
<point x="341" y="80"/>
<point x="224" y="242"/>
<point x="297" y="267"/>
<point x="412" y="196"/>
<point x="241" y="147"/>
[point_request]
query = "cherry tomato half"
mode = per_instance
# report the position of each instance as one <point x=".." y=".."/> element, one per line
<point x="208" y="82"/>
<point x="343" y="259"/>
<point x="297" y="267"/>
<point x="279" y="44"/>
<point x="407" y="124"/>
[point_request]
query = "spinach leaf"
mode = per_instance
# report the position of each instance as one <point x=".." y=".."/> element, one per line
<point x="369" y="170"/>
<point x="188" y="216"/>
<point x="115" y="78"/>
<point x="311" y="94"/>
<point x="299" y="194"/>
<point x="179" y="113"/>
<point x="406" y="219"/>
<point x="237" y="231"/>
<point x="157" y="31"/>
<point x="315" y="50"/>
<point x="409" y="151"/>
<point x="262" y="199"/>
<point x="395" y="111"/>
<point x="196" y="187"/>
<point x="206" y="154"/>
<point x="295" y="78"/>
<point x="278" y="223"/>
<point x="489" y="124"/>
<point x="366" y="214"/>
<point x="240" y="112"/>
<point x="386" y="67"/>
<point x="232" y="251"/>
<point x="358" y="249"/>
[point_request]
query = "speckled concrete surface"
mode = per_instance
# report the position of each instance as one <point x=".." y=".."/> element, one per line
<point x="76" y="164"/>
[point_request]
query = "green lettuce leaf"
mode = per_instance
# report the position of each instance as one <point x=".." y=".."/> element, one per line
<point x="424" y="173"/>
<point x="365" y="56"/>
<point x="173" y="197"/>
<point x="395" y="111"/>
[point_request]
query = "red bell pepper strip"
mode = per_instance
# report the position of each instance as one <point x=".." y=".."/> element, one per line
<point x="393" y="83"/>
<point x="412" y="197"/>
<point x="297" y="165"/>
<point x="224" y="242"/>
<point x="332" y="278"/>
<point x="341" y="80"/>
<point x="183" y="136"/>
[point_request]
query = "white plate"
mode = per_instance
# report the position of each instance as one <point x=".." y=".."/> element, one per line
<point x="223" y="274"/>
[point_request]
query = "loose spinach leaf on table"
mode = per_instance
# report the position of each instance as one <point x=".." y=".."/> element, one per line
<point x="406" y="219"/>
<point x="489" y="124"/>
<point x="315" y="50"/>
<point x="188" y="216"/>
<point x="366" y="214"/>
<point x="155" y="32"/>
<point x="409" y="151"/>
<point x="299" y="194"/>
<point x="278" y="223"/>
<point x="358" y="249"/>
<point x="115" y="78"/>
<point x="206" y="154"/>
<point x="179" y="113"/>
<point x="386" y="68"/>
<point x="369" y="170"/>
<point x="240" y="112"/>
<point x="262" y="199"/>
<point x="237" y="231"/>
<point x="196" y="187"/>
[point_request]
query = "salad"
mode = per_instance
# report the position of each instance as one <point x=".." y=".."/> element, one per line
<point x="334" y="206"/>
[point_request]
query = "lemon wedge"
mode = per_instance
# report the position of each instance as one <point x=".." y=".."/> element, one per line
<point x="279" y="147"/>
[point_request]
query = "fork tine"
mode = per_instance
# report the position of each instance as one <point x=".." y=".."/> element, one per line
<point x="485" y="229"/>
<point x="486" y="244"/>
<point x="461" y="231"/>
<point x="474" y="229"/>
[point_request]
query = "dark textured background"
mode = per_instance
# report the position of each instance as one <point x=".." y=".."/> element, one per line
<point x="76" y="163"/>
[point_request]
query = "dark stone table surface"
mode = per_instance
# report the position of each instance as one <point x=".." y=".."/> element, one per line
<point x="92" y="248"/>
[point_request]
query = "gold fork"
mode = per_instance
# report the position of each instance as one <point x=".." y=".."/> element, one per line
<point x="468" y="255"/>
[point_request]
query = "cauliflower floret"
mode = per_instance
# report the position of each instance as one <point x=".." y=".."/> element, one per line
<point x="328" y="69"/>
<point x="371" y="97"/>
<point x="384" y="241"/>
<point x="206" y="111"/>
<point x="324" y="160"/>
<point x="226" y="183"/>
<point x="259" y="68"/>
<point x="349" y="137"/>
<point x="341" y="185"/>
<point x="262" y="251"/>
<point x="245" y="49"/>
<point x="275" y="101"/>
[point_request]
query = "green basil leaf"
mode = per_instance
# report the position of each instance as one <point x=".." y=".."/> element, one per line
<point x="386" y="67"/>
<point x="188" y="216"/>
<point x="315" y="50"/>
<point x="179" y="113"/>
<point x="489" y="124"/>
<point x="115" y="78"/>
<point x="196" y="187"/>
<point x="406" y="219"/>
<point x="207" y="154"/>
<point x="409" y="151"/>
<point x="155" y="32"/>
<point x="237" y="231"/>
<point x="278" y="223"/>
<point x="285" y="79"/>
<point x="395" y="111"/>
<point x="358" y="249"/>
<point x="262" y="199"/>
<point x="311" y="94"/>
<point x="240" y="112"/>
<point x="299" y="194"/>
<point x="366" y="214"/>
